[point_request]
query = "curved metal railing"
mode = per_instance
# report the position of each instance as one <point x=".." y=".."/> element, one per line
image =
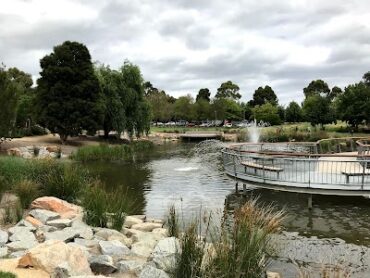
<point x="302" y="165"/>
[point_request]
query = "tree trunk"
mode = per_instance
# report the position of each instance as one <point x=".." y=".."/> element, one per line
<point x="63" y="138"/>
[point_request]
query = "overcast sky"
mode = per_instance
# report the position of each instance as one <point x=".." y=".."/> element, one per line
<point x="184" y="45"/>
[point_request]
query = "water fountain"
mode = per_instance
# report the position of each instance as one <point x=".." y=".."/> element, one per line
<point x="253" y="128"/>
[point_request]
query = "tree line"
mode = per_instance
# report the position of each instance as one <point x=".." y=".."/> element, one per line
<point x="74" y="94"/>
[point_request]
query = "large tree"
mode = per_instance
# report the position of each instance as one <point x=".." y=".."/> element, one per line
<point x="353" y="105"/>
<point x="204" y="94"/>
<point x="111" y="86"/>
<point x="228" y="90"/>
<point x="267" y="113"/>
<point x="68" y="95"/>
<point x="317" y="109"/>
<point x="263" y="95"/>
<point x="317" y="87"/>
<point x="184" y="108"/>
<point x="9" y="95"/>
<point x="293" y="113"/>
<point x="136" y="108"/>
<point x="366" y="78"/>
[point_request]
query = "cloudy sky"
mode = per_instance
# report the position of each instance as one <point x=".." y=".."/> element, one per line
<point x="184" y="45"/>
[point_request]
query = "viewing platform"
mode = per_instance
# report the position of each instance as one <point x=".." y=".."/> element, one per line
<point x="201" y="135"/>
<point x="338" y="166"/>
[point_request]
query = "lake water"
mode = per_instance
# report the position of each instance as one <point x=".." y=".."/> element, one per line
<point x="172" y="174"/>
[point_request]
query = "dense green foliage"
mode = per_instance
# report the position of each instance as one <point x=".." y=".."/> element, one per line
<point x="204" y="94"/>
<point x="264" y="95"/>
<point x="106" y="152"/>
<point x="68" y="95"/>
<point x="293" y="113"/>
<point x="317" y="110"/>
<point x="267" y="113"/>
<point x="7" y="275"/>
<point x="228" y="90"/>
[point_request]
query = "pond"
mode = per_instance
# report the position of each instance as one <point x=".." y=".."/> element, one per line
<point x="173" y="174"/>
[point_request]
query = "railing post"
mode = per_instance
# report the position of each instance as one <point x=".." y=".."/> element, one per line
<point x="234" y="166"/>
<point x="263" y="169"/>
<point x="363" y="175"/>
<point x="309" y="171"/>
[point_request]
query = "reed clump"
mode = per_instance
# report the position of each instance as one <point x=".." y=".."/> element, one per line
<point x="241" y="250"/>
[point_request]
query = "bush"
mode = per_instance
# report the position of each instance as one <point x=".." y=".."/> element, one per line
<point x="173" y="222"/>
<point x="27" y="191"/>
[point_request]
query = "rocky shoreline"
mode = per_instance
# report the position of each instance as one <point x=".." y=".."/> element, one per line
<point x="53" y="238"/>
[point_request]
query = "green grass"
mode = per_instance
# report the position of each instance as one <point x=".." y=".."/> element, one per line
<point x="31" y="178"/>
<point x="7" y="275"/>
<point x="106" y="152"/>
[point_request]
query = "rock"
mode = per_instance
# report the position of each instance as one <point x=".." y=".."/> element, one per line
<point x="50" y="255"/>
<point x="53" y="149"/>
<point x="152" y="272"/>
<point x="21" y="245"/>
<point x="44" y="215"/>
<point x="3" y="251"/>
<point x="88" y="243"/>
<point x="144" y="248"/>
<point x="3" y="237"/>
<point x="60" y="223"/>
<point x="90" y="276"/>
<point x="166" y="253"/>
<point x="162" y="231"/>
<point x="109" y="234"/>
<point x="270" y="274"/>
<point x="14" y="152"/>
<point x="139" y="216"/>
<point x="61" y="271"/>
<point x="146" y="227"/>
<point x="83" y="248"/>
<point x="83" y="229"/>
<point x="35" y="222"/>
<point x="130" y="266"/>
<point x="114" y="248"/>
<point x="102" y="264"/>
<point x="20" y="229"/>
<point x="144" y="236"/>
<point x="66" y="235"/>
<point x="63" y="208"/>
<point x="152" y="220"/>
<point x="24" y="235"/>
<point x="17" y="254"/>
<point x="130" y="220"/>
<point x="25" y="223"/>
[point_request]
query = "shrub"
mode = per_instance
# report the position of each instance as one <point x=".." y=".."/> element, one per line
<point x="103" y="152"/>
<point x="27" y="191"/>
<point x="173" y="222"/>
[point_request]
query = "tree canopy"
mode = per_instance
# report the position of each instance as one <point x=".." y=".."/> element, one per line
<point x="317" y="109"/>
<point x="316" y="87"/>
<point x="68" y="94"/>
<point x="293" y="113"/>
<point x="204" y="94"/>
<point x="366" y="78"/>
<point x="263" y="95"/>
<point x="228" y="90"/>
<point x="267" y="113"/>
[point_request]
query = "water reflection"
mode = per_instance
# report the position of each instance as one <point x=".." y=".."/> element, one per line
<point x="172" y="175"/>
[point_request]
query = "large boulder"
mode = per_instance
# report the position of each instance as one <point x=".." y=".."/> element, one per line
<point x="21" y="245"/>
<point x="131" y="220"/>
<point x="109" y="234"/>
<point x="144" y="248"/>
<point x="166" y="253"/>
<point x="22" y="234"/>
<point x="51" y="254"/>
<point x="63" y="208"/>
<point x="133" y="266"/>
<point x="35" y="222"/>
<point x="66" y="235"/>
<point x="83" y="229"/>
<point x="3" y="251"/>
<point x="60" y="223"/>
<point x="44" y="215"/>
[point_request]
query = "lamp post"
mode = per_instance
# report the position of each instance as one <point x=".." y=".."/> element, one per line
<point x="215" y="117"/>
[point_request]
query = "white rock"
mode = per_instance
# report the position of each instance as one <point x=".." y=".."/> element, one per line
<point x="144" y="236"/>
<point x="139" y="216"/>
<point x="130" y="220"/>
<point x="146" y="227"/>
<point x="114" y="248"/>
<point x="152" y="272"/>
<point x="270" y="274"/>
<point x="3" y="251"/>
<point x="44" y="215"/>
<point x="21" y="245"/>
<point x="21" y="229"/>
<point x="144" y="248"/>
<point x="109" y="234"/>
<point x="17" y="254"/>
<point x="83" y="229"/>
<point x="88" y="243"/>
<point x="23" y="235"/>
<point x="3" y="237"/>
<point x="24" y="223"/>
<point x="162" y="231"/>
<point x="66" y="235"/>
<point x="170" y="245"/>
<point x="130" y="266"/>
<point x="60" y="223"/>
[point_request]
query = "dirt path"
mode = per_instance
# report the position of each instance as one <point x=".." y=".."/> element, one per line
<point x="48" y="140"/>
